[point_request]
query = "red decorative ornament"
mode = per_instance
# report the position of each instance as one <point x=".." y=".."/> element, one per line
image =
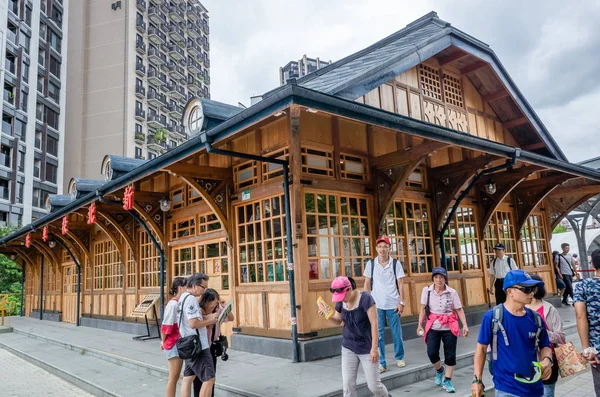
<point x="92" y="214"/>
<point x="65" y="225"/>
<point x="45" y="233"/>
<point x="28" y="240"/>
<point x="128" y="198"/>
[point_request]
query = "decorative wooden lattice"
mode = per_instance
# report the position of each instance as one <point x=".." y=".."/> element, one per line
<point x="453" y="91"/>
<point x="430" y="82"/>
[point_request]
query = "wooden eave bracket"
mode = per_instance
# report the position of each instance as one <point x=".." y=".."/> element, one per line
<point x="198" y="171"/>
<point x="561" y="207"/>
<point x="408" y="155"/>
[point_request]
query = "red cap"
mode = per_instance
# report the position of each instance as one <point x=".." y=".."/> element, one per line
<point x="383" y="239"/>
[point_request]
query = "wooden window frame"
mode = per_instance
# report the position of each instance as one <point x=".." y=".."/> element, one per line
<point x="178" y="230"/>
<point x="465" y="230"/>
<point x="268" y="218"/>
<point x="130" y="270"/>
<point x="327" y="262"/>
<point x="219" y="261"/>
<point x="350" y="175"/>
<point x="271" y="171"/>
<point x="400" y="239"/>
<point x="534" y="245"/>
<point x="319" y="172"/>
<point x="241" y="167"/>
<point x="179" y="190"/>
<point x="492" y="236"/>
<point x="416" y="185"/>
<point x="208" y="223"/>
<point x="180" y="264"/>
<point x="149" y="262"/>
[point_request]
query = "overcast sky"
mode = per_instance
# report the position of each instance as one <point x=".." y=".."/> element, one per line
<point x="550" y="48"/>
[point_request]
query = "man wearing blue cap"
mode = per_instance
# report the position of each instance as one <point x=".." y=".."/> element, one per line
<point x="499" y="266"/>
<point x="518" y="368"/>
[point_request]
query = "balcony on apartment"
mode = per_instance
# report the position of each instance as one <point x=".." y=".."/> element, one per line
<point x="193" y="30"/>
<point x="175" y="51"/>
<point x="174" y="31"/>
<point x="10" y="65"/>
<point x="156" y="36"/>
<point x="190" y="81"/>
<point x="155" y="98"/>
<point x="156" y="120"/>
<point x="140" y="69"/>
<point x="157" y="2"/>
<point x="176" y="13"/>
<point x="140" y="47"/>
<point x="156" y="143"/>
<point x="140" y="138"/>
<point x="192" y="13"/>
<point x="193" y="66"/>
<point x="204" y="26"/>
<point x="140" y="114"/>
<point x="141" y="5"/>
<point x="9" y="94"/>
<point x="174" y="110"/>
<point x="140" y="26"/>
<point x="156" y="57"/>
<point x="156" y="77"/>
<point x="177" y="132"/>
<point x="140" y="91"/>
<point x="156" y="15"/>
<point x="193" y="48"/>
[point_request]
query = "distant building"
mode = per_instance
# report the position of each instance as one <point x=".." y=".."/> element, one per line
<point x="297" y="69"/>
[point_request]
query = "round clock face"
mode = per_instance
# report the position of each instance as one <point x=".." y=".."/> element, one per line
<point x="196" y="118"/>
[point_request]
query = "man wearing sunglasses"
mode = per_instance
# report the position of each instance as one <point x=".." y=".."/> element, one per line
<point x="519" y="368"/>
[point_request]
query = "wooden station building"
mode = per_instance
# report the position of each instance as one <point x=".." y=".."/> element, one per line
<point x="381" y="142"/>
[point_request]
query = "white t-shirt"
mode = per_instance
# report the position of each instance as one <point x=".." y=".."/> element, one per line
<point x="383" y="287"/>
<point x="502" y="266"/>
<point x="191" y="310"/>
<point x="563" y="264"/>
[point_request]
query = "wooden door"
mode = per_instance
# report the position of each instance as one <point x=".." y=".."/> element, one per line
<point x="69" y="295"/>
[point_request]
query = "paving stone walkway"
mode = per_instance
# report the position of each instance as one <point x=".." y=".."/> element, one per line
<point x="578" y="386"/>
<point x="18" y="378"/>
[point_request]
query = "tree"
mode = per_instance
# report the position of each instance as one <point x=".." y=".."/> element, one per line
<point x="10" y="274"/>
<point x="559" y="229"/>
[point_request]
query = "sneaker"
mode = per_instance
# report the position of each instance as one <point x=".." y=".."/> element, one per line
<point x="439" y="377"/>
<point x="382" y="369"/>
<point x="401" y="364"/>
<point x="448" y="386"/>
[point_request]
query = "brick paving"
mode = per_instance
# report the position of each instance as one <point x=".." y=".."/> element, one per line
<point x="18" y="378"/>
<point x="579" y="386"/>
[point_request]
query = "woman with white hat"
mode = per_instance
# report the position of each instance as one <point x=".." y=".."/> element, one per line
<point x="441" y="308"/>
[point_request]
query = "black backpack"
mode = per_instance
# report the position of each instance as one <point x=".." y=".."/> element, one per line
<point x="508" y="259"/>
<point x="394" y="264"/>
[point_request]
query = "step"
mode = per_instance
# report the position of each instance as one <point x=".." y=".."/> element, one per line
<point x="96" y="376"/>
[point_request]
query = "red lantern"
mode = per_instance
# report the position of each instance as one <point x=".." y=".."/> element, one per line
<point x="28" y="240"/>
<point x="45" y="233"/>
<point x="65" y="225"/>
<point x="92" y="214"/>
<point x="128" y="198"/>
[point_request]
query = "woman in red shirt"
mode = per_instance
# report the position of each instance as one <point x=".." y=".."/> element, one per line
<point x="169" y="332"/>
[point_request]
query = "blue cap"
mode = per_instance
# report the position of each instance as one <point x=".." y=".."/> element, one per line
<point x="439" y="270"/>
<point x="519" y="277"/>
<point x="499" y="246"/>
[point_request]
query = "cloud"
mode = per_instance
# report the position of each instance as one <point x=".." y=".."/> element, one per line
<point x="550" y="48"/>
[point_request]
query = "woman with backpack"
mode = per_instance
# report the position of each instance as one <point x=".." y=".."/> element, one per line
<point x="169" y="332"/>
<point x="440" y="309"/>
<point x="554" y="325"/>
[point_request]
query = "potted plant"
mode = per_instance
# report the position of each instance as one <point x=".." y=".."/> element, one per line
<point x="160" y="135"/>
<point x="139" y="136"/>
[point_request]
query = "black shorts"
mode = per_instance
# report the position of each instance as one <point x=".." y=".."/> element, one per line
<point x="201" y="366"/>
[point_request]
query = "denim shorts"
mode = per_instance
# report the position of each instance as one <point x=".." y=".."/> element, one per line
<point x="172" y="353"/>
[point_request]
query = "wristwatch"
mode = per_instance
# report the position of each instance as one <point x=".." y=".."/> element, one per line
<point x="402" y="303"/>
<point x="476" y="379"/>
<point x="549" y="358"/>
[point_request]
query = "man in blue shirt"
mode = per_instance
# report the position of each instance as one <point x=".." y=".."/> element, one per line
<point x="515" y="361"/>
<point x="587" y="310"/>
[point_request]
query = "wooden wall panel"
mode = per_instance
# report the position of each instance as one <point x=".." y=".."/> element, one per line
<point x="317" y="322"/>
<point x="475" y="292"/>
<point x="104" y="308"/>
<point x="472" y="97"/>
<point x="353" y="135"/>
<point x="387" y="97"/>
<point x="372" y="98"/>
<point x="384" y="141"/>
<point x="548" y="278"/>
<point x="279" y="311"/>
<point x="409" y="78"/>
<point x="216" y="160"/>
<point x="245" y="144"/>
<point x="415" y="106"/>
<point x="275" y="134"/>
<point x="316" y="127"/>
<point x="130" y="304"/>
<point x="87" y="304"/>
<point x="481" y="132"/>
<point x="402" y="101"/>
<point x="250" y="309"/>
<point x="96" y="304"/>
<point x="439" y="158"/>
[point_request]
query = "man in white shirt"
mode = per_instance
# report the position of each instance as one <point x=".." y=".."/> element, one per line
<point x="193" y="322"/>
<point x="564" y="268"/>
<point x="383" y="280"/>
<point x="499" y="266"/>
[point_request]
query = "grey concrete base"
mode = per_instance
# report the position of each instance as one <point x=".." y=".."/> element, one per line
<point x="4" y="330"/>
<point x="47" y="316"/>
<point x="120" y="326"/>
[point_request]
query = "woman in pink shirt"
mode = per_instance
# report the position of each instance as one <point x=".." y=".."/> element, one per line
<point x="441" y="308"/>
<point x="169" y="332"/>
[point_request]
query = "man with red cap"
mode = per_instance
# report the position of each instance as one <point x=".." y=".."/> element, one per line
<point x="383" y="279"/>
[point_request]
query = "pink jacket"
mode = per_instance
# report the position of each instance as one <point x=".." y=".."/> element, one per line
<point x="450" y="320"/>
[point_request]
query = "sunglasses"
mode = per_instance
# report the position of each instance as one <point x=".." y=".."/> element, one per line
<point x="338" y="290"/>
<point x="527" y="290"/>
